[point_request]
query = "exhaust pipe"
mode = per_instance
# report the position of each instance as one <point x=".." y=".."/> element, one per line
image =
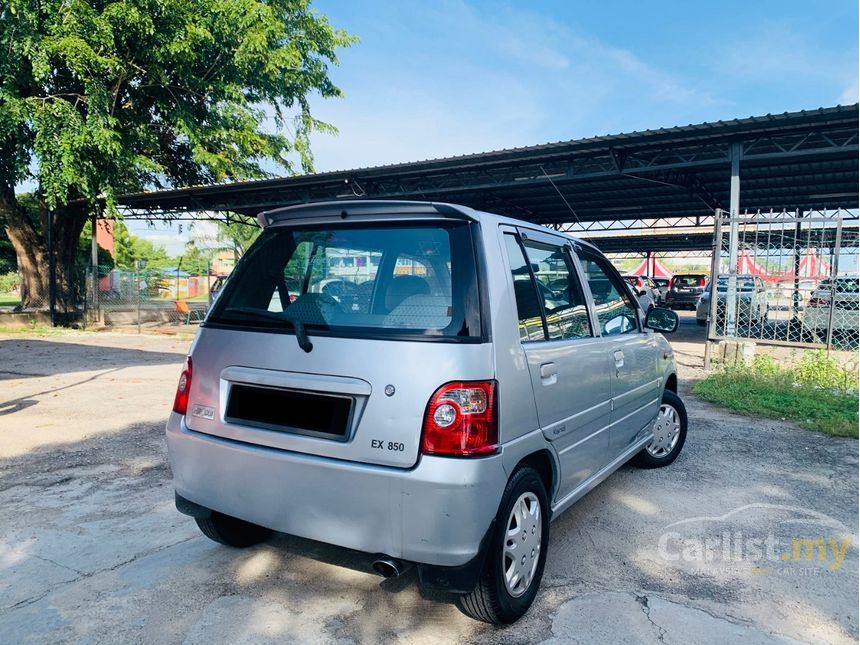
<point x="388" y="567"/>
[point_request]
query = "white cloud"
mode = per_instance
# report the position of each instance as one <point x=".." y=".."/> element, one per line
<point x="173" y="236"/>
<point x="783" y="59"/>
<point x="849" y="94"/>
<point x="476" y="81"/>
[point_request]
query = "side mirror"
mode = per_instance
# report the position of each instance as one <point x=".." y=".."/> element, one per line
<point x="660" y="319"/>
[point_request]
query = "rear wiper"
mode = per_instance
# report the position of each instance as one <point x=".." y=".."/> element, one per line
<point x="298" y="325"/>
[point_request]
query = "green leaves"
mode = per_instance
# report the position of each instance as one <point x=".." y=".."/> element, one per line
<point x="109" y="97"/>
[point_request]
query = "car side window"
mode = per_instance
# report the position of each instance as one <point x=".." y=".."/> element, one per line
<point x="558" y="285"/>
<point x="613" y="303"/>
<point x="528" y="307"/>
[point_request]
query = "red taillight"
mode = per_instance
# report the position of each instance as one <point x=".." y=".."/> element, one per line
<point x="701" y="282"/>
<point x="180" y="403"/>
<point x="461" y="420"/>
<point x="819" y="302"/>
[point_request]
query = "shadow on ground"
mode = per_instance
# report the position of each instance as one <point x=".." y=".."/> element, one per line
<point x="27" y="357"/>
<point x="92" y="549"/>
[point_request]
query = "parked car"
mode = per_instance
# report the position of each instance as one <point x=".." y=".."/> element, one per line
<point x="640" y="284"/>
<point x="663" y="288"/>
<point x="446" y="419"/>
<point x="684" y="290"/>
<point x="751" y="300"/>
<point x="215" y="289"/>
<point x="643" y="296"/>
<point x="843" y="293"/>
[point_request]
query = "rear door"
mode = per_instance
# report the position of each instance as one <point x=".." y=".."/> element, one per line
<point x="635" y="384"/>
<point x="567" y="363"/>
<point x="391" y="311"/>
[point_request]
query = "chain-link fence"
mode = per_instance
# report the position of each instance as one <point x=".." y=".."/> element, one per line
<point x="67" y="298"/>
<point x="145" y="297"/>
<point x="784" y="278"/>
<point x="111" y="296"/>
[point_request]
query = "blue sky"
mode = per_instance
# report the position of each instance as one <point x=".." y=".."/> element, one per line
<point x="437" y="78"/>
<point x="445" y="77"/>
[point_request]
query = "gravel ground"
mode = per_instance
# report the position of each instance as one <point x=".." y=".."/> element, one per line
<point x="91" y="548"/>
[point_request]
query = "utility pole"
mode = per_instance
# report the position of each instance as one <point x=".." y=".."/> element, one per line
<point x="52" y="271"/>
<point x="734" y="239"/>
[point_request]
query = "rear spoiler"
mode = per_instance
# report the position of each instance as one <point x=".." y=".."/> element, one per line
<point x="365" y="208"/>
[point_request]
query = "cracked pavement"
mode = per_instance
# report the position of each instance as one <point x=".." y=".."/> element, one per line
<point x="92" y="549"/>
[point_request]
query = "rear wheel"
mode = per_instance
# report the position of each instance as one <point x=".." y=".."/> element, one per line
<point x="516" y="553"/>
<point x="232" y="531"/>
<point x="670" y="433"/>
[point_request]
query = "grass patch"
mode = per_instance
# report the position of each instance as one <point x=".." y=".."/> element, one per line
<point x="817" y="393"/>
<point x="9" y="299"/>
<point x="35" y="330"/>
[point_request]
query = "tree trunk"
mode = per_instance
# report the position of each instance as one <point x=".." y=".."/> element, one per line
<point x="31" y="249"/>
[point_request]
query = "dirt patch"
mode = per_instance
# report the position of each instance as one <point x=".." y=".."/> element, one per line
<point x="92" y="549"/>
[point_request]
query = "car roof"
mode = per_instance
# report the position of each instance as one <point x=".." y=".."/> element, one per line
<point x="399" y="208"/>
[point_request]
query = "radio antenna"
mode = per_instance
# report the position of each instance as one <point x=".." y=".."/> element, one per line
<point x="566" y="203"/>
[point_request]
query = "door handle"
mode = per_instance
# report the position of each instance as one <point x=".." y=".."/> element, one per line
<point x="547" y="370"/>
<point x="619" y="358"/>
<point x="548" y="373"/>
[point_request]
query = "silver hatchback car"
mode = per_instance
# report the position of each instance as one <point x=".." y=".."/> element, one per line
<point x="422" y="382"/>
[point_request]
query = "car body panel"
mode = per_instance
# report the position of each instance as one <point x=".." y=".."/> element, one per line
<point x="436" y="512"/>
<point x="845" y="301"/>
<point x="751" y="305"/>
<point x="224" y="358"/>
<point x="586" y="418"/>
<point x="685" y="289"/>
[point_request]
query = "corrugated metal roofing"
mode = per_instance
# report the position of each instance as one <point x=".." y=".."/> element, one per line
<point x="792" y="160"/>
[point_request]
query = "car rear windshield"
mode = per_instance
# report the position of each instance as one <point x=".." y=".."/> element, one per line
<point x="743" y="283"/>
<point x="688" y="280"/>
<point x="843" y="285"/>
<point x="415" y="280"/>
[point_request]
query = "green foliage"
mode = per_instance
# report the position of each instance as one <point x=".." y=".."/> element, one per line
<point x="765" y="365"/>
<point x="116" y="96"/>
<point x="9" y="282"/>
<point x="238" y="234"/>
<point x="817" y="392"/>
<point x="130" y="248"/>
<point x="818" y="369"/>
<point x="195" y="260"/>
<point x="84" y="256"/>
<point x="8" y="261"/>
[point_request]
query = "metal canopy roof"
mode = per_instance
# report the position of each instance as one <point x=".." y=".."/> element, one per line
<point x="628" y="244"/>
<point x="805" y="159"/>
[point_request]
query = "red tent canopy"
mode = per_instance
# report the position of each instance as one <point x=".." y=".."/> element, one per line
<point x="810" y="266"/>
<point x="657" y="269"/>
<point x="747" y="265"/>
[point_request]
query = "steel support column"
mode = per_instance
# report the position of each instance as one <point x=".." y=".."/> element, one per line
<point x="52" y="271"/>
<point x="734" y="212"/>
<point x="94" y="257"/>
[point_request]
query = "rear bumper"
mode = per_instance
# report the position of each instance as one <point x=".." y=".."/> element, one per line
<point x="435" y="513"/>
<point x="682" y="299"/>
<point x="843" y="319"/>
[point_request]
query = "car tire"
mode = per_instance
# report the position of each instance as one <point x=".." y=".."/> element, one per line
<point x="492" y="600"/>
<point x="663" y="450"/>
<point x="232" y="531"/>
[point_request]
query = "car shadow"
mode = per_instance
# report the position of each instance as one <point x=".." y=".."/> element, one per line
<point x="28" y="358"/>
